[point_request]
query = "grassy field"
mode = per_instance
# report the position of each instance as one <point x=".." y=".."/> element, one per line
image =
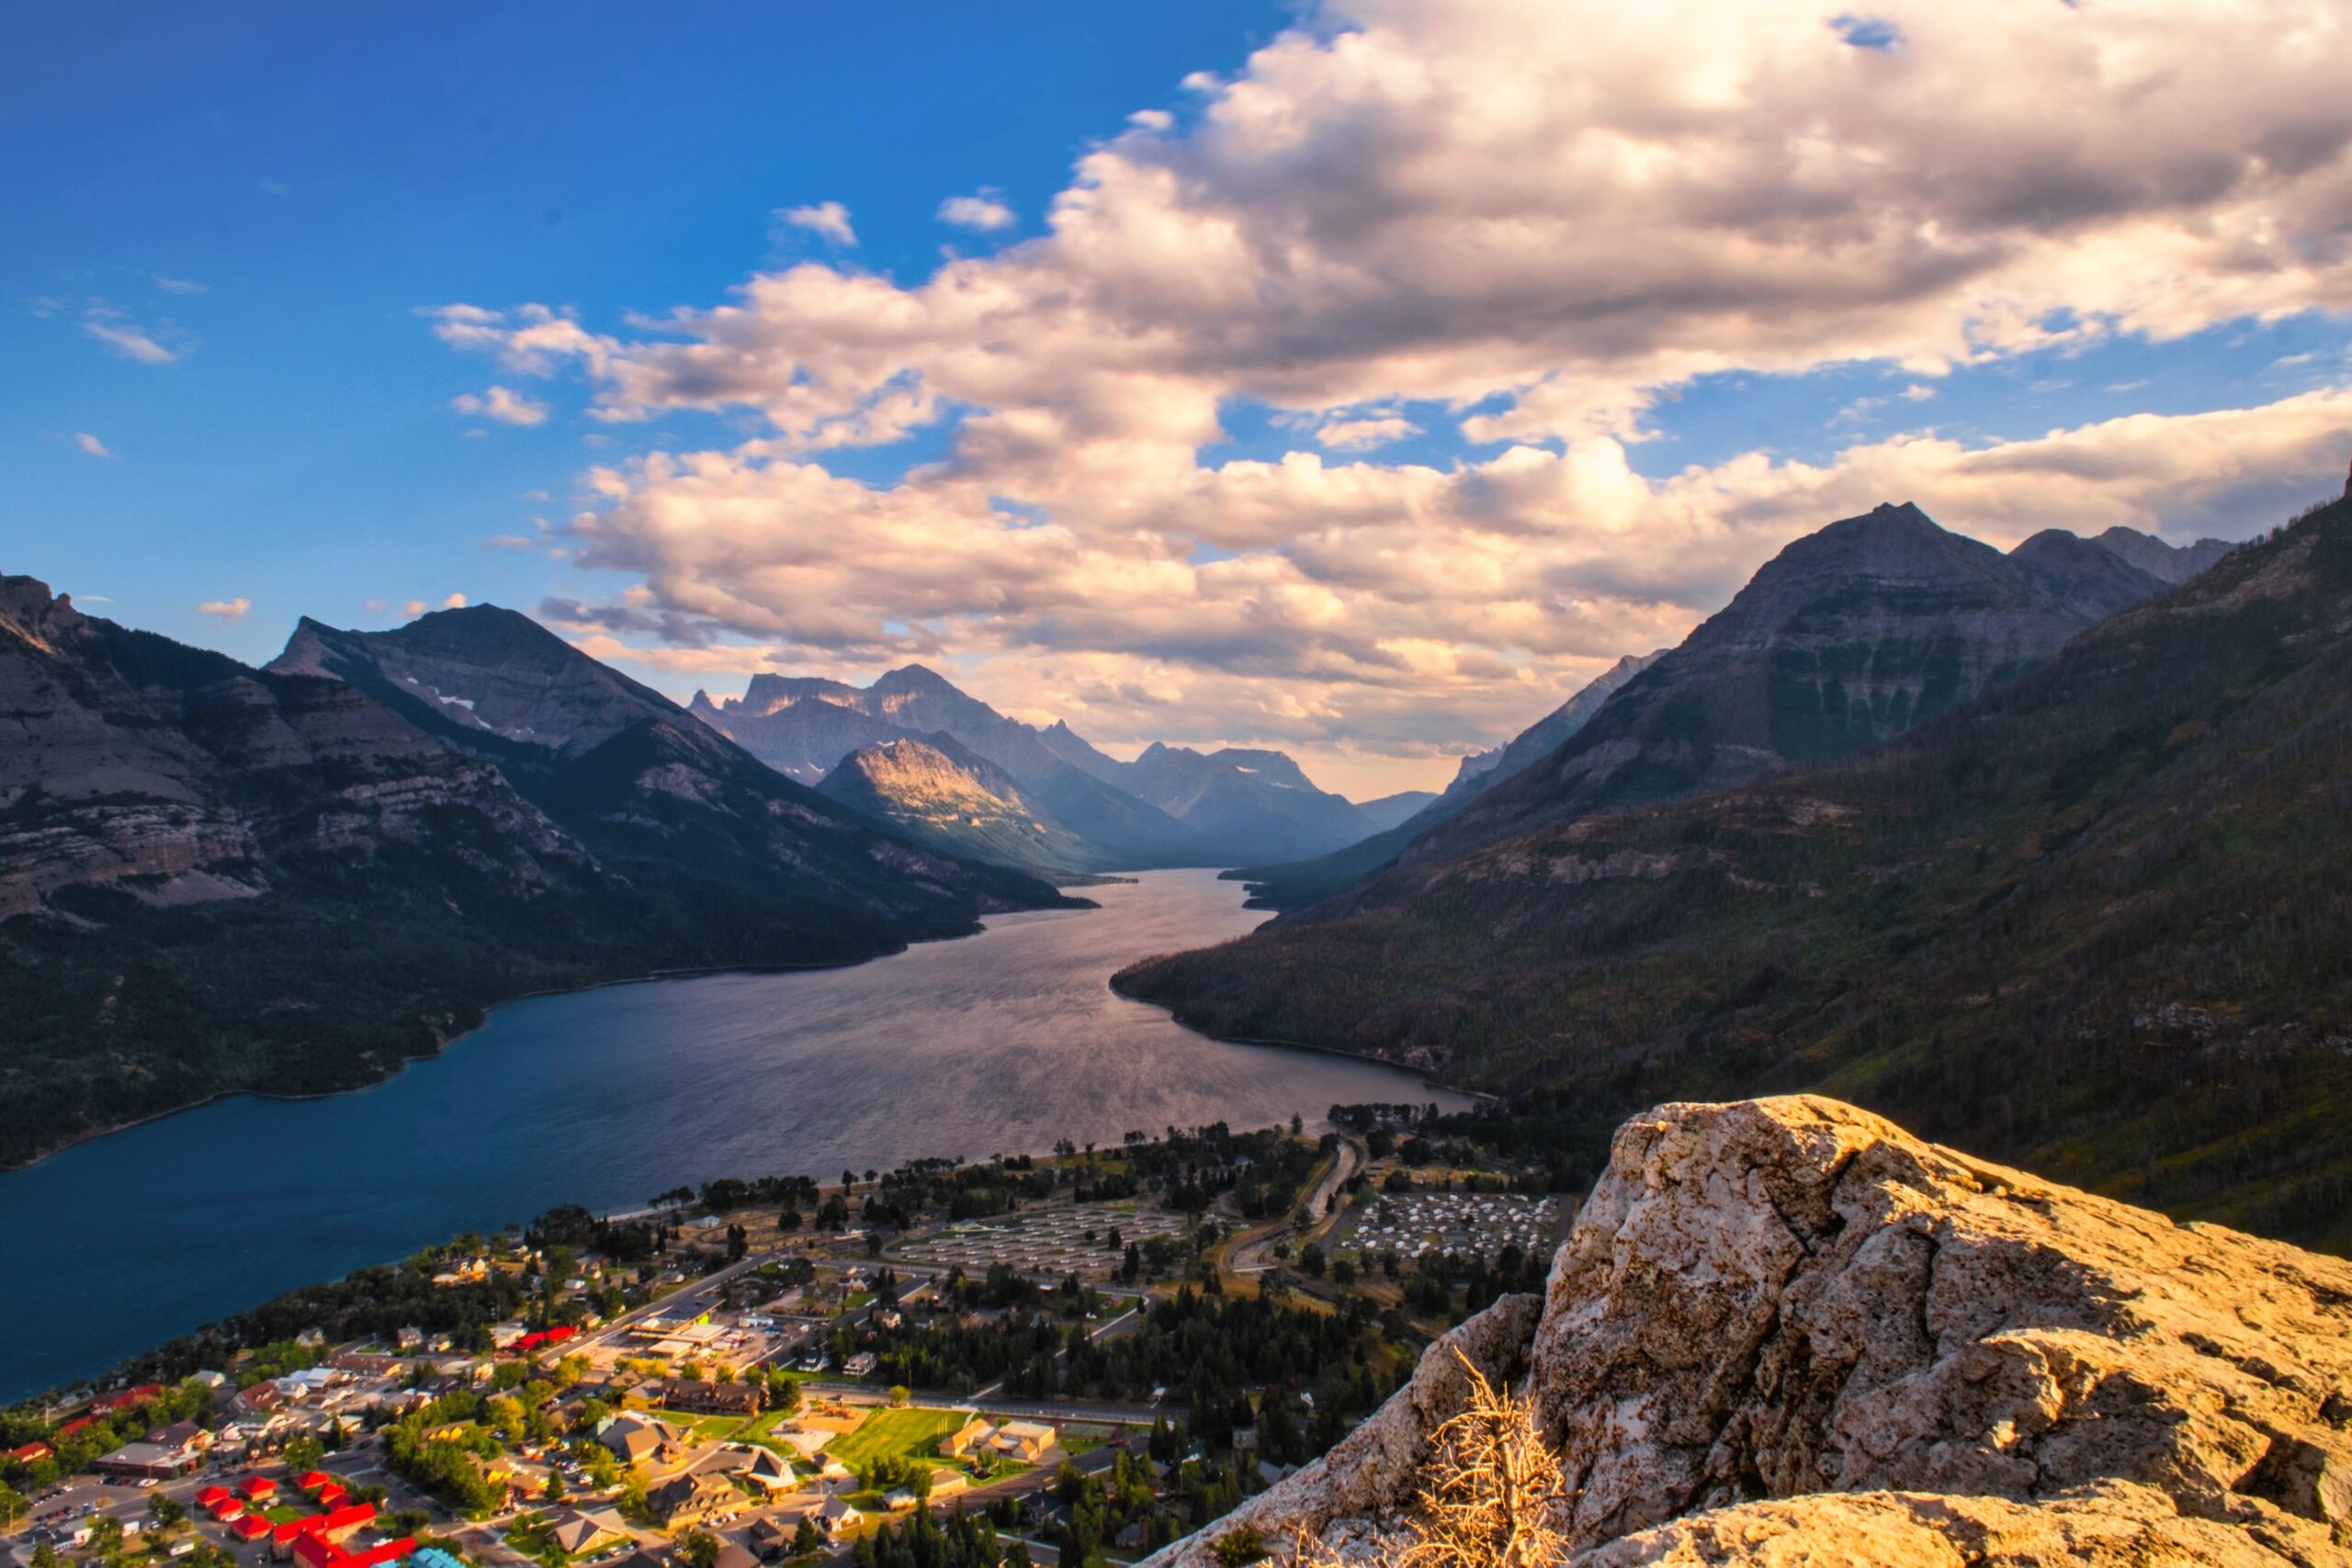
<point x="893" y="1433"/>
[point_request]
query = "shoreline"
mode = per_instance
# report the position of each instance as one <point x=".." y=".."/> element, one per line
<point x="1483" y="1098"/>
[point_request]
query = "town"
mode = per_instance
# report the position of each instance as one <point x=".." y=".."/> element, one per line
<point x="1066" y="1358"/>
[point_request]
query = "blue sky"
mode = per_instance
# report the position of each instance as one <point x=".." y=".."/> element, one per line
<point x="321" y="171"/>
<point x="1386" y="369"/>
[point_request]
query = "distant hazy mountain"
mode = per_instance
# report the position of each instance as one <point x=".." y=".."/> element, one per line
<point x="944" y="794"/>
<point x="1171" y="806"/>
<point x="1254" y="804"/>
<point x="215" y="878"/>
<point x="2089" y="919"/>
<point x="1302" y="883"/>
<point x="1389" y="810"/>
<point x="2174" y="564"/>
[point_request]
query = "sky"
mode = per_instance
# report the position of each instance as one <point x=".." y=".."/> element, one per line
<point x="1355" y="377"/>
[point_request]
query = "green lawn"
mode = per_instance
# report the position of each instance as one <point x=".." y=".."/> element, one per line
<point x="893" y="1433"/>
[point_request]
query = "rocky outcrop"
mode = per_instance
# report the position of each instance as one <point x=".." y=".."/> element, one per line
<point x="1783" y="1331"/>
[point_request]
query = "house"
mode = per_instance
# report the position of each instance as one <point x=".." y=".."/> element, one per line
<point x="861" y="1365"/>
<point x="541" y="1339"/>
<point x="768" y="1471"/>
<point x="640" y="1559"/>
<point x="259" y="1400"/>
<point x="316" y="1552"/>
<point x="633" y="1439"/>
<point x="1027" y="1441"/>
<point x="312" y="1480"/>
<point x="973" y="1434"/>
<point x="769" y="1539"/>
<point x="249" y="1526"/>
<point x="833" y="1516"/>
<point x="182" y="1437"/>
<point x="577" y="1530"/>
<point x="253" y="1488"/>
<point x="732" y="1556"/>
<point x="691" y="1499"/>
<point x="334" y="1528"/>
<point x="1135" y="1536"/>
<point x="31" y="1453"/>
<point x="714" y="1398"/>
<point x="410" y="1340"/>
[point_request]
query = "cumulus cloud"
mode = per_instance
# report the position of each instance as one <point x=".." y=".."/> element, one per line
<point x="828" y="219"/>
<point x="1546" y="216"/>
<point x="91" y="444"/>
<point x="984" y="211"/>
<point x="506" y="406"/>
<point x="226" y="609"/>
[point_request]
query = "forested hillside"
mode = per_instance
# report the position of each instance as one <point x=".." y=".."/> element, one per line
<point x="2094" y="923"/>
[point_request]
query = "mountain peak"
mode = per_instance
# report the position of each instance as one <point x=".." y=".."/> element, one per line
<point x="913" y="678"/>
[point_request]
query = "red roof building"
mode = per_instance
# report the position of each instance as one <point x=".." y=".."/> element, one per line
<point x="211" y="1494"/>
<point x="331" y="1495"/>
<point x="129" y="1396"/>
<point x="257" y="1487"/>
<point x="312" y="1480"/>
<point x="252" y="1526"/>
<point x="31" y="1453"/>
<point x="226" y="1508"/>
<point x="77" y="1424"/>
<point x="540" y="1338"/>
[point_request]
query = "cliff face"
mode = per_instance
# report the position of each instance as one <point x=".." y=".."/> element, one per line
<point x="1784" y="1331"/>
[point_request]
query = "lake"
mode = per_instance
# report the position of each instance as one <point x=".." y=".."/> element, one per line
<point x="1001" y="1043"/>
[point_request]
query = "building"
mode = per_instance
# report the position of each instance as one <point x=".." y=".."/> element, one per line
<point x="732" y="1556"/>
<point x="635" y="1440"/>
<point x="691" y="1499"/>
<point x="145" y="1462"/>
<point x="767" y="1470"/>
<point x="31" y="1453"/>
<point x="708" y="1398"/>
<point x="577" y="1530"/>
<point x="973" y="1434"/>
<point x="255" y="1488"/>
<point x="1027" y="1441"/>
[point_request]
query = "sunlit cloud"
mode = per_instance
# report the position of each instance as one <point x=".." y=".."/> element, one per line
<point x="1530" y="223"/>
<point x="827" y="218"/>
<point x="226" y="609"/>
<point x="110" y="327"/>
<point x="91" y="444"/>
<point x="985" y="212"/>
<point x="502" y="404"/>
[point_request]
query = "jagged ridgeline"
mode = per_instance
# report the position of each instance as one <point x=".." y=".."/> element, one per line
<point x="2090" y="919"/>
<point x="216" y="878"/>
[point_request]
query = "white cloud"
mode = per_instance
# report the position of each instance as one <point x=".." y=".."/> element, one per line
<point x="180" y="285"/>
<point x="454" y="602"/>
<point x="985" y="211"/>
<point x="1362" y="434"/>
<point x="110" y="327"/>
<point x="226" y="609"/>
<point x="91" y="444"/>
<point x="1547" y="215"/>
<point x="828" y="219"/>
<point x="502" y="404"/>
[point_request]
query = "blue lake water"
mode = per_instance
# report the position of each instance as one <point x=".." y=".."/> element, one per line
<point x="1001" y="1043"/>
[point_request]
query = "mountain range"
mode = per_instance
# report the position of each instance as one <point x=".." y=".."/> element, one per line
<point x="216" y="878"/>
<point x="1169" y="806"/>
<point x="2066" y="889"/>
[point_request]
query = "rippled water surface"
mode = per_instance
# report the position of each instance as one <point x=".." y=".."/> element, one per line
<point x="1000" y="1042"/>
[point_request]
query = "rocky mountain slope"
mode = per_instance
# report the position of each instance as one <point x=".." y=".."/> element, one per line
<point x="2091" y="922"/>
<point x="941" y="793"/>
<point x="1786" y="1332"/>
<point x="215" y="878"/>
<point x="1171" y="806"/>
<point x="633" y="776"/>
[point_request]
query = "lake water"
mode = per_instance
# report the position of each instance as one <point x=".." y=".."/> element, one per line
<point x="1001" y="1043"/>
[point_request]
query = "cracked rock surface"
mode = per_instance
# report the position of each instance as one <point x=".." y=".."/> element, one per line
<point x="1784" y="1331"/>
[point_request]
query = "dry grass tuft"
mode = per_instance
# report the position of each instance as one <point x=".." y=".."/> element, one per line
<point x="1489" y="1499"/>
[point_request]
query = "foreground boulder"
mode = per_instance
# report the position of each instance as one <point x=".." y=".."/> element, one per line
<point x="1783" y="1331"/>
